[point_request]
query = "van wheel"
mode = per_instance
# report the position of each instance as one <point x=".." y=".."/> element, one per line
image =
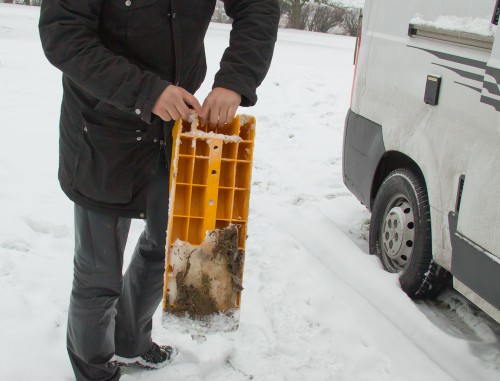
<point x="400" y="234"/>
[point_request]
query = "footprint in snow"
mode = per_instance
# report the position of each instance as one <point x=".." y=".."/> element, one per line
<point x="332" y="196"/>
<point x="6" y="267"/>
<point x="301" y="199"/>
<point x="44" y="227"/>
<point x="327" y="115"/>
<point x="16" y="245"/>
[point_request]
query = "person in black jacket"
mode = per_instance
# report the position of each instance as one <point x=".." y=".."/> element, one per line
<point x="130" y="68"/>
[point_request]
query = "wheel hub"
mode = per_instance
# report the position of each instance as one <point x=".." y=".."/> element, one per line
<point x="398" y="234"/>
<point x="393" y="232"/>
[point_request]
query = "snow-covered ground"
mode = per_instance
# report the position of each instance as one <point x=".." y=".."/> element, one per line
<point x="315" y="307"/>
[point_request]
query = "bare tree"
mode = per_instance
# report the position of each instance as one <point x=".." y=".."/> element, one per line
<point x="285" y="7"/>
<point x="322" y="17"/>
<point x="220" y="14"/>
<point x="350" y="21"/>
<point x="294" y="9"/>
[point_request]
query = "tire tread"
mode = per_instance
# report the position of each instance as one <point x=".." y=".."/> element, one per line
<point x="423" y="278"/>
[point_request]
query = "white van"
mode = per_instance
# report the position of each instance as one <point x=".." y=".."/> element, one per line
<point x="422" y="143"/>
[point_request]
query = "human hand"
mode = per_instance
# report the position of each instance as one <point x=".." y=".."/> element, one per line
<point x="220" y="107"/>
<point x="171" y="104"/>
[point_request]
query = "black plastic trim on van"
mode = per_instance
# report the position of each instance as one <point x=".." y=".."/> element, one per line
<point x="363" y="150"/>
<point x="473" y="265"/>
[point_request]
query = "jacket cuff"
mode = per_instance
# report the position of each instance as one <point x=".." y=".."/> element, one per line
<point x="145" y="104"/>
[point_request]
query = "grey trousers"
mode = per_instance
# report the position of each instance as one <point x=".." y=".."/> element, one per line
<point x="109" y="312"/>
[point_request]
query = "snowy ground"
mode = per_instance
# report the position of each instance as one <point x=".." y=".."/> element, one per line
<point x="315" y="307"/>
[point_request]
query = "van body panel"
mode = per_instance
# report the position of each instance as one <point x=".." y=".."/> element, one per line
<point x="480" y="205"/>
<point x="457" y="138"/>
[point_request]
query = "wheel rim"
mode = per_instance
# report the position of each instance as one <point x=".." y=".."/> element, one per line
<point x="398" y="232"/>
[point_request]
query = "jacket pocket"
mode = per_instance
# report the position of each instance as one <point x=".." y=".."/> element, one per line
<point x="106" y="164"/>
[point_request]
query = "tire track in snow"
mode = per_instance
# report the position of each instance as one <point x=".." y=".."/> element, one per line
<point x="426" y="342"/>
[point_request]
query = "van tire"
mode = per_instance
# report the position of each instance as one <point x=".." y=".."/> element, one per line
<point x="400" y="234"/>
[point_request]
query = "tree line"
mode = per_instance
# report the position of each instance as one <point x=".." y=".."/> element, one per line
<point x="325" y="16"/>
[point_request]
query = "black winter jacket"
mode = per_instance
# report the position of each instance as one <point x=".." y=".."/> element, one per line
<point x="117" y="57"/>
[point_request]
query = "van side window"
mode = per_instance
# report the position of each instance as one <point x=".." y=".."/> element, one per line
<point x="496" y="13"/>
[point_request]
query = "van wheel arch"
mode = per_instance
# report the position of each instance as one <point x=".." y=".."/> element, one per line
<point x="389" y="162"/>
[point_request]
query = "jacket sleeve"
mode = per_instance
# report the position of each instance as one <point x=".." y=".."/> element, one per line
<point x="69" y="35"/>
<point x="247" y="59"/>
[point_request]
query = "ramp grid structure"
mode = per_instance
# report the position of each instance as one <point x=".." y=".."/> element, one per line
<point x="209" y="187"/>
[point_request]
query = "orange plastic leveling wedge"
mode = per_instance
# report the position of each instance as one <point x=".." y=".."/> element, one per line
<point x="207" y="225"/>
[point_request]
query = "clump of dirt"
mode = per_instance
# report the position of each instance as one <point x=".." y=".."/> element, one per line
<point x="196" y="301"/>
<point x="207" y="278"/>
<point x="227" y="245"/>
